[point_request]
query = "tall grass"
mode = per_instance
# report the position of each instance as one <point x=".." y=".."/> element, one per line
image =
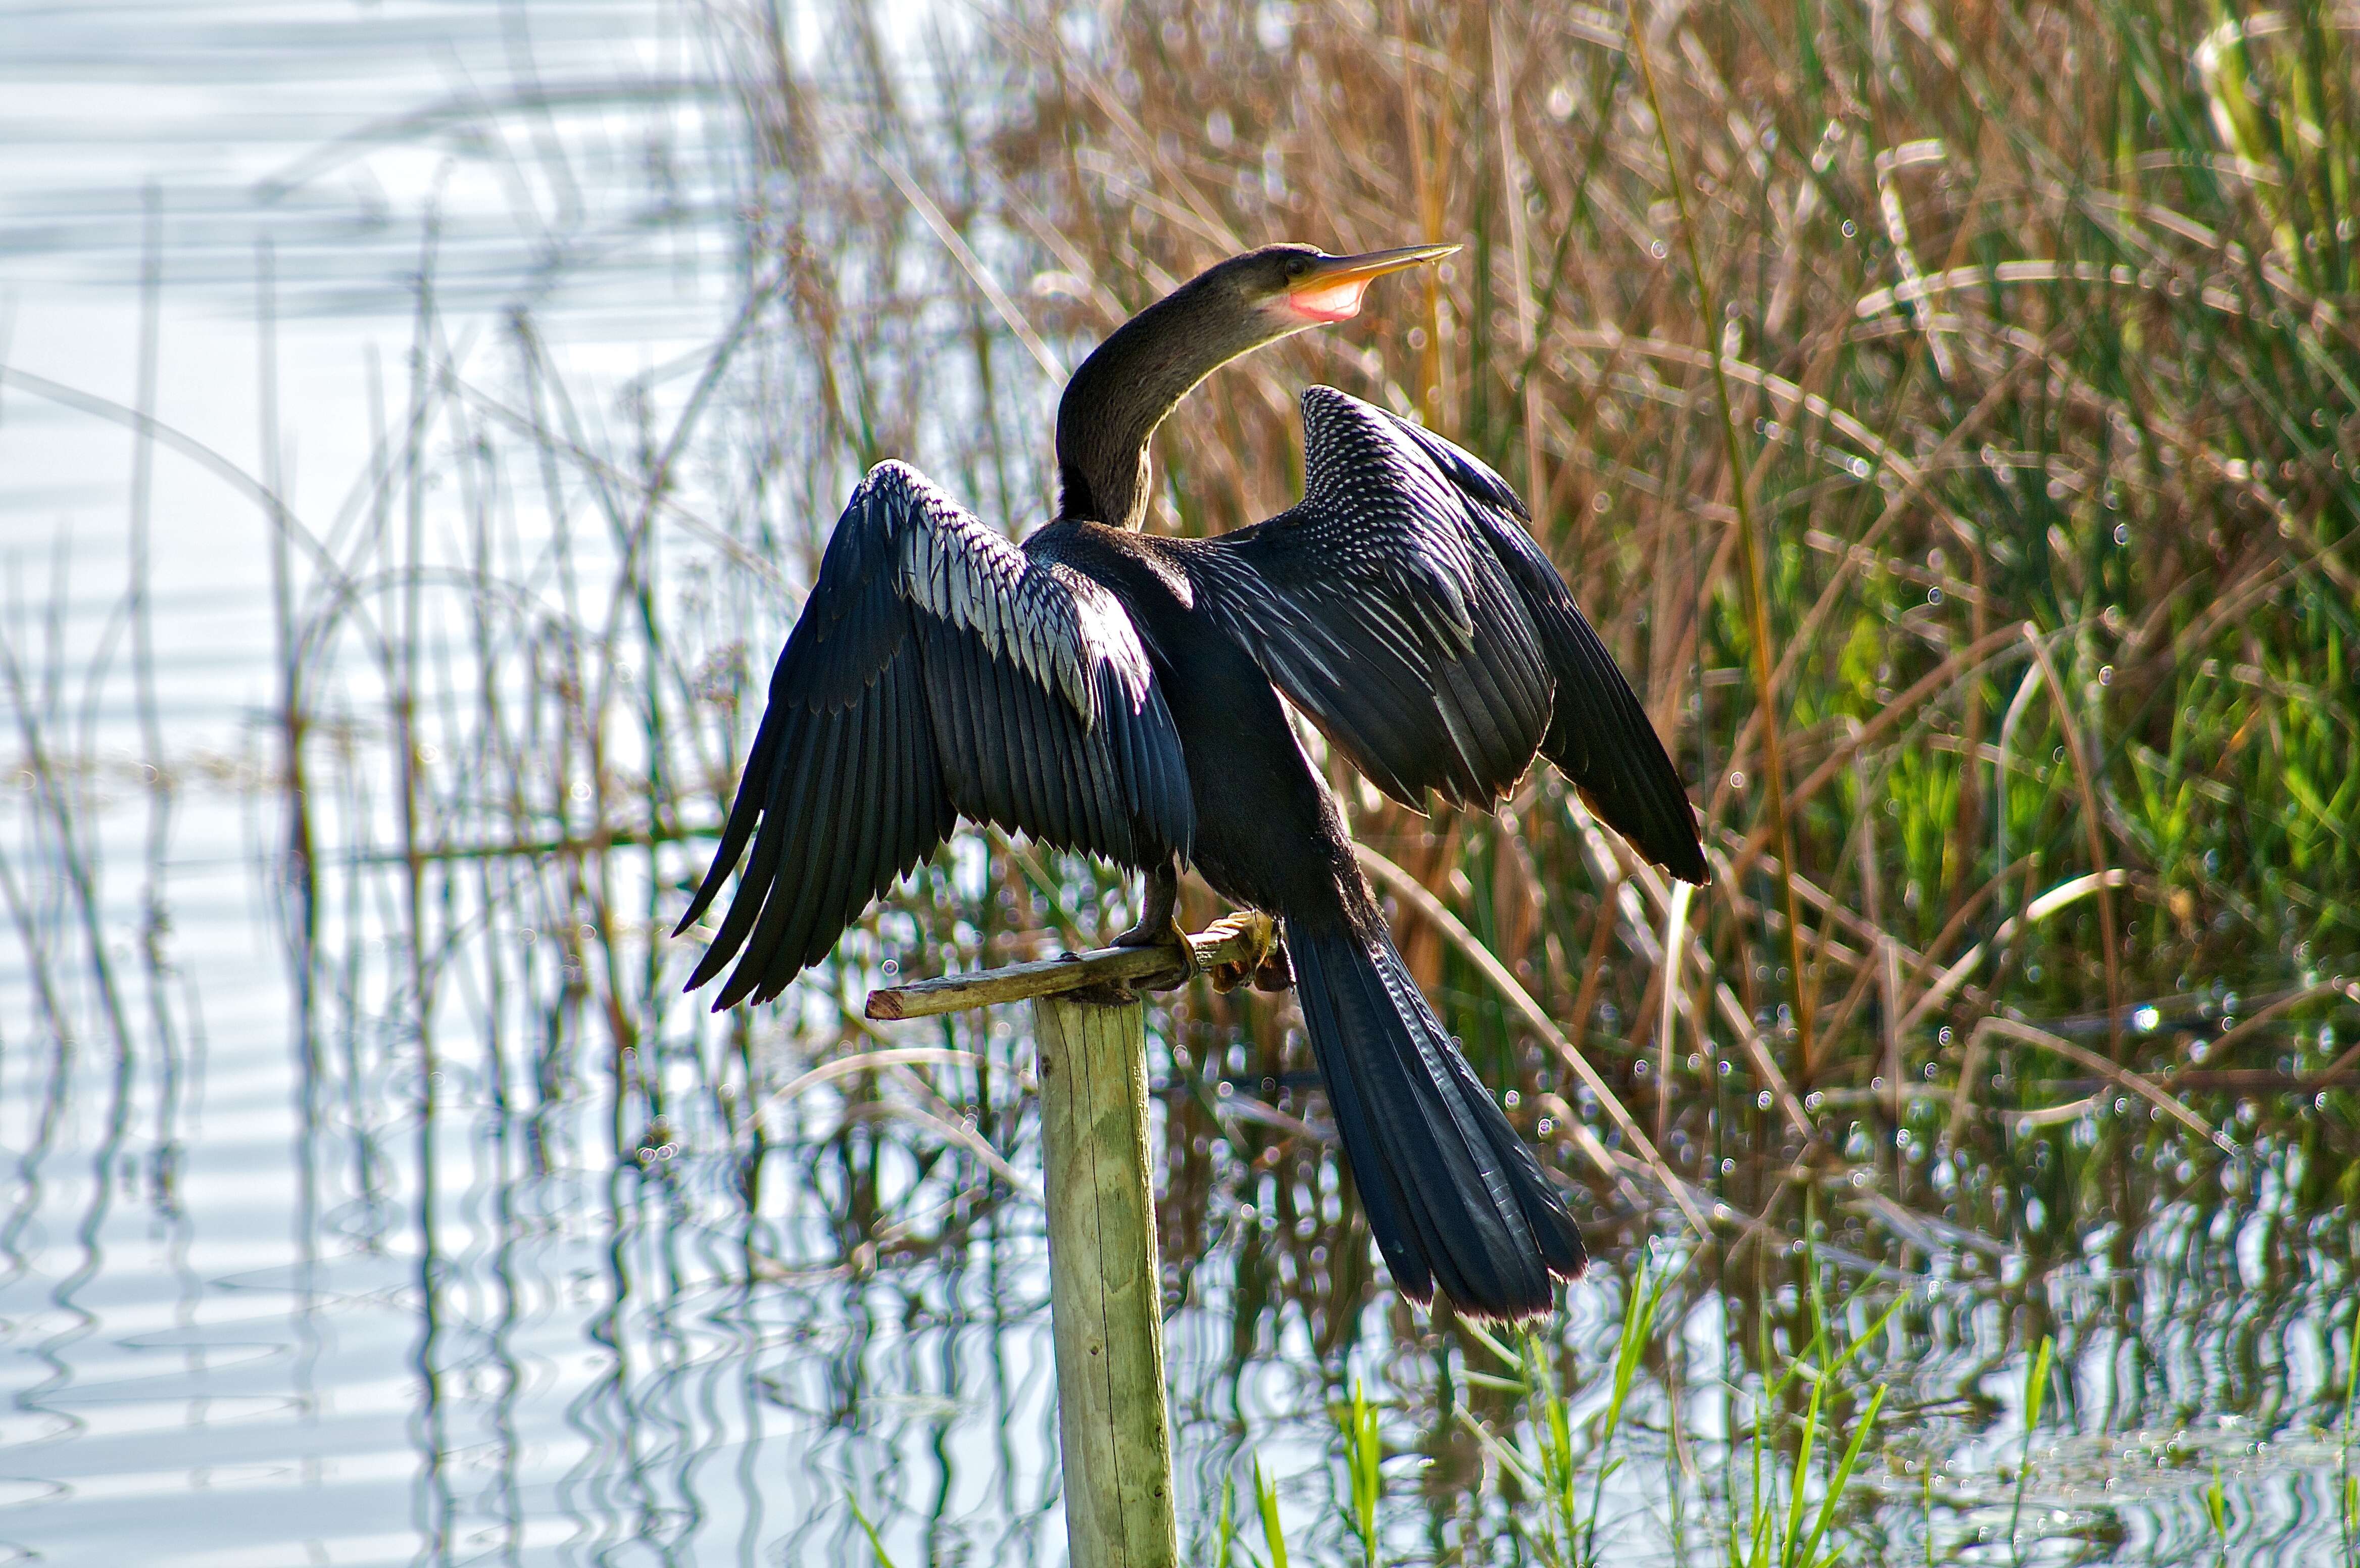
<point x="1949" y="412"/>
<point x="1776" y="1487"/>
<point x="2019" y="339"/>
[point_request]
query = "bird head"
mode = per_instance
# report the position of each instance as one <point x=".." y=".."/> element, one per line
<point x="1124" y="389"/>
<point x="1284" y="288"/>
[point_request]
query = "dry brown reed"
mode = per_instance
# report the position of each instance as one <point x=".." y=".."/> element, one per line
<point x="2015" y="342"/>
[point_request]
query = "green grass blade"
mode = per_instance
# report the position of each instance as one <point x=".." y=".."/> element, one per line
<point x="1840" y="1479"/>
<point x="1273" y="1537"/>
<point x="884" y="1557"/>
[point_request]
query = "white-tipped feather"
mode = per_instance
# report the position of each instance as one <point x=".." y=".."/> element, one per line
<point x="1057" y="626"/>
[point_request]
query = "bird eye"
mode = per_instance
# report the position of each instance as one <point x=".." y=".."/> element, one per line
<point x="1296" y="266"/>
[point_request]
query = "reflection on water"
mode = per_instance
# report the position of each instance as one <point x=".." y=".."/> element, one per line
<point x="376" y="1197"/>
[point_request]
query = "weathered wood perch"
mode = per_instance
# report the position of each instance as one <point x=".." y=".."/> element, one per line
<point x="1105" y="1284"/>
<point x="1230" y="948"/>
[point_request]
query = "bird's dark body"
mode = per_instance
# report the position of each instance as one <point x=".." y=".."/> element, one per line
<point x="1107" y="691"/>
<point x="1267" y="835"/>
<point x="1451" y="1193"/>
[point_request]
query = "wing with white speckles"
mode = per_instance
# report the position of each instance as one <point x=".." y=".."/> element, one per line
<point x="1405" y="608"/>
<point x="937" y="672"/>
<point x="1383" y="616"/>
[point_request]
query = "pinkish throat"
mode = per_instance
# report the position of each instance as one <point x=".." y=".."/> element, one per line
<point x="1339" y="301"/>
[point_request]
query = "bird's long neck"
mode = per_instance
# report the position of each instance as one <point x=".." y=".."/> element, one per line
<point x="1123" y="392"/>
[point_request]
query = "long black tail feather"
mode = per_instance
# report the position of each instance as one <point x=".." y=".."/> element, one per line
<point x="1453" y="1196"/>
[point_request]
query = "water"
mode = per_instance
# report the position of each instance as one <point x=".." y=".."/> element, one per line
<point x="383" y="1202"/>
<point x="239" y="1332"/>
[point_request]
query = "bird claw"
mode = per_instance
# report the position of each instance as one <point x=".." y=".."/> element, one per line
<point x="1268" y="970"/>
<point x="1159" y="924"/>
<point x="1276" y="970"/>
<point x="1144" y="936"/>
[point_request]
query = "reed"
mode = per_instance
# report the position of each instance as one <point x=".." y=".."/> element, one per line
<point x="2036" y="1393"/>
<point x="1356" y="1427"/>
<point x="2037" y="605"/>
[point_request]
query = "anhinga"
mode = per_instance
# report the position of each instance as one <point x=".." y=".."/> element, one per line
<point x="1105" y="690"/>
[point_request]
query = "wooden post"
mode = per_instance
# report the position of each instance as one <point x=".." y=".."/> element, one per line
<point x="1105" y="1287"/>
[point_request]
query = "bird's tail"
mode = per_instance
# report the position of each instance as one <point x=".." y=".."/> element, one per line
<point x="1453" y="1195"/>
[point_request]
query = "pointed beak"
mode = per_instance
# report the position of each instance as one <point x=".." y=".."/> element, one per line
<point x="1333" y="289"/>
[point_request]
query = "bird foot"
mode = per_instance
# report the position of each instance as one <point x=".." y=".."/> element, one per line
<point x="1171" y="940"/>
<point x="1227" y="977"/>
<point x="1276" y="970"/>
<point x="1145" y="936"/>
<point x="1268" y="970"/>
<point x="1158" y="925"/>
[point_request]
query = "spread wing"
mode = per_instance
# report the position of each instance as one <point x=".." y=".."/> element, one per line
<point x="1403" y="606"/>
<point x="937" y="671"/>
<point x="1383" y="616"/>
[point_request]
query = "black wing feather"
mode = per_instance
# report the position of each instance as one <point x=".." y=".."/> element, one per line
<point x="937" y="671"/>
<point x="1405" y="608"/>
<point x="1379" y="613"/>
<point x="1600" y="735"/>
